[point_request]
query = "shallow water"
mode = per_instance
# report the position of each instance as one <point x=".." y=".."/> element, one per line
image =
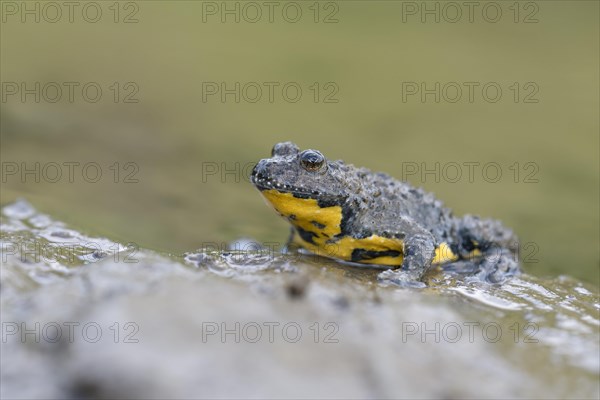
<point x="526" y="338"/>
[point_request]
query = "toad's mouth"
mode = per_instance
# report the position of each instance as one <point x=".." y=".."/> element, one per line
<point x="263" y="181"/>
<point x="267" y="183"/>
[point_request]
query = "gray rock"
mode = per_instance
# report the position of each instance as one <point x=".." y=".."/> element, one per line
<point x="260" y="325"/>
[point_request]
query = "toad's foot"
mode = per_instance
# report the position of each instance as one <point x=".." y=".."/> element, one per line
<point x="498" y="266"/>
<point x="401" y="278"/>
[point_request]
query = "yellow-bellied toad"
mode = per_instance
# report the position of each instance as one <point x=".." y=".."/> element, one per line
<point x="353" y="214"/>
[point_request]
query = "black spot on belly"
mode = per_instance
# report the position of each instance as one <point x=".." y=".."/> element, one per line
<point x="348" y="215"/>
<point x="470" y="243"/>
<point x="325" y="202"/>
<point x="454" y="248"/>
<point x="467" y="240"/>
<point x="307" y="236"/>
<point x="317" y="224"/>
<point x="362" y="254"/>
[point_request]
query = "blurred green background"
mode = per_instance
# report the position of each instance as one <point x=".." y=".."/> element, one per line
<point x="172" y="134"/>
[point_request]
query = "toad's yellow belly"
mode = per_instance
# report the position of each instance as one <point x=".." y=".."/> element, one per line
<point x="318" y="229"/>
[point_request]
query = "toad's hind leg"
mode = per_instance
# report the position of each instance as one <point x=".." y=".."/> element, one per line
<point x="486" y="247"/>
<point x="493" y="266"/>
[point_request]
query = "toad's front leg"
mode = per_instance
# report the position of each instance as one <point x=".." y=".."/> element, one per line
<point x="419" y="252"/>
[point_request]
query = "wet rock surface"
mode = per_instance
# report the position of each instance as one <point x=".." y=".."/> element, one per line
<point x="85" y="317"/>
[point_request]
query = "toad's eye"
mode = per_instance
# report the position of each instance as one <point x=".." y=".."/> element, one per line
<point x="312" y="160"/>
